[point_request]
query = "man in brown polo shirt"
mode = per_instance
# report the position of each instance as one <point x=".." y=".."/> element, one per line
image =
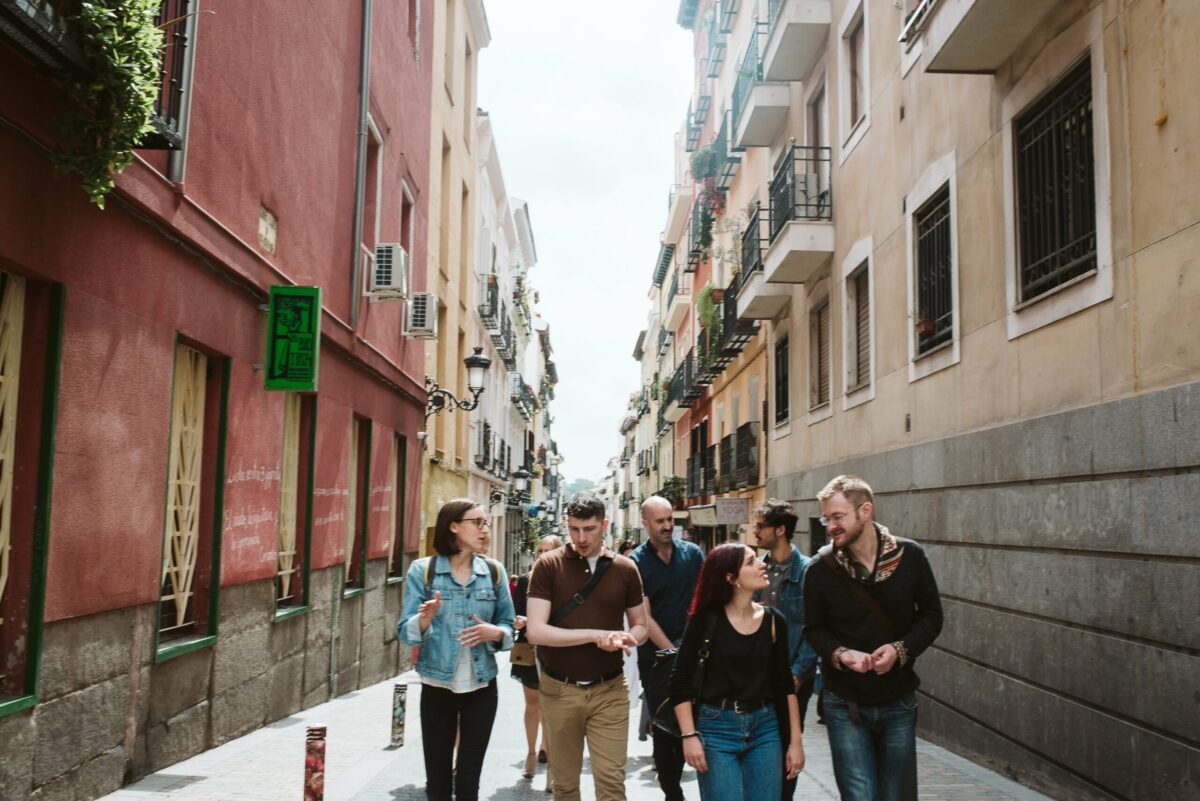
<point x="582" y="657"/>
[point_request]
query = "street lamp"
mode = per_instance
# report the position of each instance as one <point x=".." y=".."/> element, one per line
<point x="438" y="399"/>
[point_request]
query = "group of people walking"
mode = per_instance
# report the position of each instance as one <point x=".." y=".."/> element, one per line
<point x="728" y="647"/>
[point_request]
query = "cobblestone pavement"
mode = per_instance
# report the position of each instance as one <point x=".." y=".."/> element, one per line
<point x="268" y="764"/>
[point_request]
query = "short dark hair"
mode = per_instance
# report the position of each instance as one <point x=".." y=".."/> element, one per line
<point x="775" y="512"/>
<point x="585" y="505"/>
<point x="451" y="512"/>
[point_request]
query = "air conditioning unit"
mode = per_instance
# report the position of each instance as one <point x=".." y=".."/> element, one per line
<point x="390" y="272"/>
<point x="420" y="316"/>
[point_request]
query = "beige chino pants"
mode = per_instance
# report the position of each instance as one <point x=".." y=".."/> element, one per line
<point x="598" y="712"/>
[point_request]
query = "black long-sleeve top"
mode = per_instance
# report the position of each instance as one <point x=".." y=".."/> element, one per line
<point x="728" y="672"/>
<point x="835" y="616"/>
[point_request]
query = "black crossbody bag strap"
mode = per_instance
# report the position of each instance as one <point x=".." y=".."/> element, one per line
<point x="578" y="598"/>
<point x="826" y="555"/>
<point x="702" y="660"/>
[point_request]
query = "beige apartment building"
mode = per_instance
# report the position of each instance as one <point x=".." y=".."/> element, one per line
<point x="976" y="236"/>
<point x="460" y="32"/>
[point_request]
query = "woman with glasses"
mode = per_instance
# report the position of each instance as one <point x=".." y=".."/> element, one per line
<point x="732" y="687"/>
<point x="528" y="674"/>
<point x="457" y="608"/>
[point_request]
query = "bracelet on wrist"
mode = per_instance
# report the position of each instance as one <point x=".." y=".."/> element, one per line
<point x="689" y="734"/>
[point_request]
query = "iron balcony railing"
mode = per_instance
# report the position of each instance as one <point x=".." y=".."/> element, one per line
<point x="725" y="477"/>
<point x="746" y="455"/>
<point x="483" y="454"/>
<point x="173" y="21"/>
<point x="800" y="189"/>
<point x="692" y="475"/>
<point x="682" y="381"/>
<point x="749" y="72"/>
<point x="716" y="52"/>
<point x="489" y="302"/>
<point x="664" y="337"/>
<point x="752" y="246"/>
<point x="699" y="235"/>
<point x="730" y="157"/>
<point x="708" y="470"/>
<point x="38" y="28"/>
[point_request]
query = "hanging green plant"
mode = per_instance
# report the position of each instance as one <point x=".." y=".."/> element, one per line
<point x="110" y="111"/>
<point x="705" y="162"/>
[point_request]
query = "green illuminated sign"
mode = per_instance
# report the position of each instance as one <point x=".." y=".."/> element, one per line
<point x="293" y="338"/>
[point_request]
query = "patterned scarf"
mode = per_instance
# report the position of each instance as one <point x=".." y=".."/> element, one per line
<point x="890" y="553"/>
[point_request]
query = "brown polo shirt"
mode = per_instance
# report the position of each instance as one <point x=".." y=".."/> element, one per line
<point x="557" y="576"/>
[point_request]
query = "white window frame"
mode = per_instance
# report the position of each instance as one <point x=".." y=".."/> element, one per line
<point x="936" y="175"/>
<point x="1086" y="36"/>
<point x="820" y="294"/>
<point x="856" y="257"/>
<point x="851" y="131"/>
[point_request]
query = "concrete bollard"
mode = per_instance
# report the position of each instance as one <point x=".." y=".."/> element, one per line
<point x="399" y="704"/>
<point x="314" y="764"/>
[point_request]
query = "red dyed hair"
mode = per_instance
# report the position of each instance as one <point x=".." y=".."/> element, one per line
<point x="713" y="589"/>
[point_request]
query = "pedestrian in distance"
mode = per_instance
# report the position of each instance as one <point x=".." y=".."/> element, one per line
<point x="457" y="608"/>
<point x="669" y="567"/>
<point x="774" y="527"/>
<point x="732" y="686"/>
<point x="579" y="599"/>
<point x="528" y="674"/>
<point x="871" y="607"/>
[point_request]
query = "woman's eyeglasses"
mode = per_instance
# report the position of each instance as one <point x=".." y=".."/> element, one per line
<point x="479" y="522"/>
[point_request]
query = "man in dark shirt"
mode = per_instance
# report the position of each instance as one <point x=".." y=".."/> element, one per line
<point x="868" y="653"/>
<point x="582" y="683"/>
<point x="669" y="568"/>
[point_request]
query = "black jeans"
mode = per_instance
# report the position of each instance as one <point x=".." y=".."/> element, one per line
<point x="802" y="695"/>
<point x="443" y="716"/>
<point x="668" y="750"/>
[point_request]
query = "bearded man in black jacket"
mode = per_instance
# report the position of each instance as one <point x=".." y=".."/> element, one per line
<point x="871" y="607"/>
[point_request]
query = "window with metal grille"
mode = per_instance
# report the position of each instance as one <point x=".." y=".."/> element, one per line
<point x="1056" y="186"/>
<point x="30" y="349"/>
<point x="358" y="503"/>
<point x="782" y="391"/>
<point x="858" y="295"/>
<point x="187" y="596"/>
<point x="295" y="486"/>
<point x="935" y="309"/>
<point x="819" y="367"/>
<point x="400" y="551"/>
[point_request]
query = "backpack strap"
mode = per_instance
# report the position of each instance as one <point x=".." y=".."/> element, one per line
<point x="429" y="573"/>
<point x="493" y="568"/>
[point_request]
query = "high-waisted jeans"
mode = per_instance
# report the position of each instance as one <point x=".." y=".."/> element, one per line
<point x="874" y="748"/>
<point x="743" y="752"/>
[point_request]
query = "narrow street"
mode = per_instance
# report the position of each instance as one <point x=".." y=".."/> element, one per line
<point x="268" y="764"/>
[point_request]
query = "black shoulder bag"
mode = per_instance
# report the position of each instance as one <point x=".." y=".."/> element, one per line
<point x="602" y="566"/>
<point x="663" y="715"/>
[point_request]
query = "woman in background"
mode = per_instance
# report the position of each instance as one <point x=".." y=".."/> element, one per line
<point x="457" y="666"/>
<point x="741" y="725"/>
<point x="528" y="674"/>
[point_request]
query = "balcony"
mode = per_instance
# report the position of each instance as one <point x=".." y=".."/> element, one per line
<point x="730" y="158"/>
<point x="665" y="254"/>
<point x="716" y="52"/>
<point x="679" y="395"/>
<point x="38" y="29"/>
<point x="483" y="453"/>
<point x="757" y="300"/>
<point x="489" y="303"/>
<point x="725" y="476"/>
<point x="973" y="36"/>
<point x="760" y="108"/>
<point x="701" y="473"/>
<point x="699" y="235"/>
<point x="798" y="32"/>
<point x="677" y="214"/>
<point x="801" y="212"/>
<point x="679" y="300"/>
<point x="745" y="456"/>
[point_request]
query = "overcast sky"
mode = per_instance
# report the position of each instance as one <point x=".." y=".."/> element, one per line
<point x="585" y="99"/>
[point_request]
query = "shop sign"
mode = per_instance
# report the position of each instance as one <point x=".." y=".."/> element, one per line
<point x="293" y="338"/>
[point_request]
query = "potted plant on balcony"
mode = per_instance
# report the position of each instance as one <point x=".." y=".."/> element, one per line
<point x="924" y="325"/>
<point x="705" y="162"/>
<point x="666" y="386"/>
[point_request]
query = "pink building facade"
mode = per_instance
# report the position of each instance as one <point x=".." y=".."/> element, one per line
<point x="186" y="555"/>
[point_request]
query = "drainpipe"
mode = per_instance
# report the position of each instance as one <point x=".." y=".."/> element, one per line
<point x="360" y="174"/>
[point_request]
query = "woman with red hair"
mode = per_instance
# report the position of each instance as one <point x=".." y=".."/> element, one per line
<point x="731" y="688"/>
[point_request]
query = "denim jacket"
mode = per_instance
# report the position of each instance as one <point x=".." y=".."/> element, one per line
<point x="791" y="605"/>
<point x="439" y="652"/>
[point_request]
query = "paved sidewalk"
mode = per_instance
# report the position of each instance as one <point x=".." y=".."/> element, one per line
<point x="269" y="764"/>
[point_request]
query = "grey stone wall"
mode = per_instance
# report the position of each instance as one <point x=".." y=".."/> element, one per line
<point x="1066" y="554"/>
<point x="108" y="714"/>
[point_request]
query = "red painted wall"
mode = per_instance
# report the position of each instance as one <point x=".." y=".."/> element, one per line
<point x="274" y="123"/>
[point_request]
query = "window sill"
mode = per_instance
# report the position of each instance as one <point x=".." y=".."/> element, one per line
<point x="853" y="138"/>
<point x="782" y="429"/>
<point x="819" y="413"/>
<point x="857" y="396"/>
<point x="392" y="580"/>
<point x="934" y="360"/>
<point x="174" y="649"/>
<point x="289" y="612"/>
<point x="353" y="592"/>
<point x="13" y="705"/>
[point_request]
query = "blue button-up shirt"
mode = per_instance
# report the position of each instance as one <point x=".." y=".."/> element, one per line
<point x="440" y="648"/>
<point x="669" y="586"/>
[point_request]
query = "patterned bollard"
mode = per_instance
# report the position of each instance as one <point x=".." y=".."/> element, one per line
<point x="314" y="764"/>
<point x="399" y="704"/>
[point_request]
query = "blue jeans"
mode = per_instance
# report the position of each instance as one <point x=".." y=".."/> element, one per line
<point x="744" y="754"/>
<point x="874" y="751"/>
